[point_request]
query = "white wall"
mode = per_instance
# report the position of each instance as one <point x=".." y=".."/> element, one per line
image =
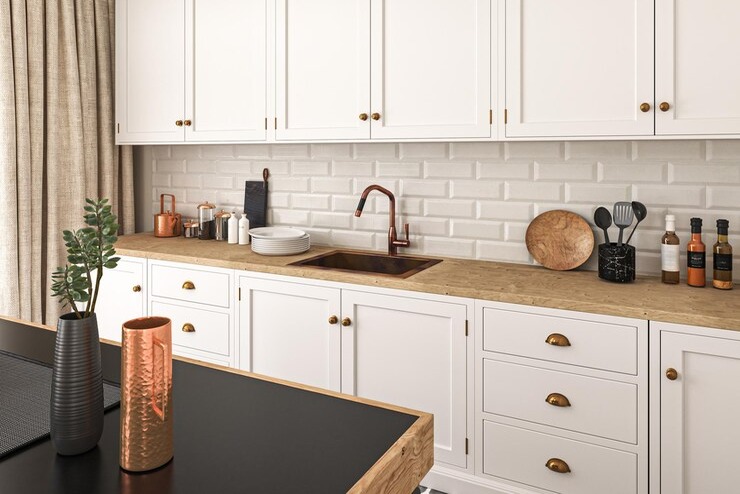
<point x="467" y="200"/>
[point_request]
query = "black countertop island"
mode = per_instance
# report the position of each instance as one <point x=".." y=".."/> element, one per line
<point x="234" y="432"/>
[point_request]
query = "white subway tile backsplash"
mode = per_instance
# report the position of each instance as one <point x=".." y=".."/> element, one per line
<point x="472" y="200"/>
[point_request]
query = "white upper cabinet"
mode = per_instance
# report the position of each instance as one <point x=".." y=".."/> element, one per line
<point x="579" y="68"/>
<point x="322" y="69"/>
<point x="150" y="63"/>
<point x="191" y="70"/>
<point x="431" y="68"/>
<point x="697" y="74"/>
<point x="383" y="69"/>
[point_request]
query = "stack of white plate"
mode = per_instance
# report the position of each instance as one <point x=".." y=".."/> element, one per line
<point x="279" y="241"/>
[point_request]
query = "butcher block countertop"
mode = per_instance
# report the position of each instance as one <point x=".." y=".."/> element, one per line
<point x="646" y="298"/>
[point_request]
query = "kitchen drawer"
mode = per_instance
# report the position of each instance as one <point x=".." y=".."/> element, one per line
<point x="597" y="406"/>
<point x="521" y="455"/>
<point x="211" y="327"/>
<point x="209" y="287"/>
<point x="597" y="345"/>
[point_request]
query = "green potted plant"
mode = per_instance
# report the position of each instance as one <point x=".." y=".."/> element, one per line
<point x="76" y="414"/>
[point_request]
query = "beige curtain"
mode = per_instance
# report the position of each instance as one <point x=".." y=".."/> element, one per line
<point x="56" y="141"/>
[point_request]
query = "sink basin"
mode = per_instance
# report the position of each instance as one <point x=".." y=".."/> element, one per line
<point x="361" y="262"/>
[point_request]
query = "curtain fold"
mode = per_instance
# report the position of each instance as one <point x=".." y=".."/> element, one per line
<point x="57" y="141"/>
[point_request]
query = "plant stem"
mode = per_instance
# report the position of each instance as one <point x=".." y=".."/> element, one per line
<point x="99" y="274"/>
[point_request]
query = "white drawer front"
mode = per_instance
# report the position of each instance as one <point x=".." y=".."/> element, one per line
<point x="211" y="327"/>
<point x="521" y="455"/>
<point x="593" y="344"/>
<point x="597" y="406"/>
<point x="204" y="287"/>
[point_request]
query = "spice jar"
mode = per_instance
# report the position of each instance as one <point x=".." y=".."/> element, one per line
<point x="190" y="228"/>
<point x="206" y="222"/>
<point x="222" y="225"/>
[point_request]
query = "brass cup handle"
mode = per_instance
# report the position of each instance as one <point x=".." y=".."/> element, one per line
<point x="346" y="322"/>
<point x="188" y="123"/>
<point x="557" y="465"/>
<point x="188" y="285"/>
<point x="188" y="328"/>
<point x="136" y="288"/>
<point x="363" y="116"/>
<point x="645" y="107"/>
<point x="557" y="339"/>
<point x="664" y="106"/>
<point x="178" y="123"/>
<point x="671" y="374"/>
<point x="557" y="400"/>
<point x="375" y="116"/>
<point x="333" y="320"/>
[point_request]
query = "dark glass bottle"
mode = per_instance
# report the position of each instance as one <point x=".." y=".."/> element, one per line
<point x="669" y="252"/>
<point x="722" y="253"/>
<point x="697" y="256"/>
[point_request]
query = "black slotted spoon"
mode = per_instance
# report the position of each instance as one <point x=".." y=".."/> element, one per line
<point x="623" y="216"/>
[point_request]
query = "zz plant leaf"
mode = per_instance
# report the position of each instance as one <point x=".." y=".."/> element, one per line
<point x="89" y="252"/>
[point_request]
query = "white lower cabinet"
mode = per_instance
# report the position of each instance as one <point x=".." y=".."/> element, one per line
<point x="695" y="405"/>
<point x="561" y="401"/>
<point x="122" y="296"/>
<point x="406" y="350"/>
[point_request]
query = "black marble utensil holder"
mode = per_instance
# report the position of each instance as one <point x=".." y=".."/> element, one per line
<point x="617" y="263"/>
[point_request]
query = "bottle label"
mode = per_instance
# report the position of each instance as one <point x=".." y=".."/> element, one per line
<point x="669" y="255"/>
<point x="697" y="260"/>
<point x="723" y="262"/>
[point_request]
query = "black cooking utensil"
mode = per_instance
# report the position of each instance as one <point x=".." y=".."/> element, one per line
<point x="640" y="213"/>
<point x="603" y="219"/>
<point x="255" y="200"/>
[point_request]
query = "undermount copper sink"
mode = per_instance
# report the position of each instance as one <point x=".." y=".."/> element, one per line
<point x="368" y="263"/>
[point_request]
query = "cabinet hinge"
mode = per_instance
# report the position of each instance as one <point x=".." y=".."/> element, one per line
<point x="466" y="445"/>
<point x="275" y="123"/>
<point x="240" y="293"/>
<point x="506" y="116"/>
<point x="265" y="123"/>
<point x="490" y="116"/>
<point x="466" y="327"/>
<point x="118" y="128"/>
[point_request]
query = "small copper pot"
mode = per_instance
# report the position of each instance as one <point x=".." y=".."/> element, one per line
<point x="146" y="394"/>
<point x="169" y="223"/>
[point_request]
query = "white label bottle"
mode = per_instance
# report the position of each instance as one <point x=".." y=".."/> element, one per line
<point x="233" y="228"/>
<point x="244" y="230"/>
<point x="670" y="253"/>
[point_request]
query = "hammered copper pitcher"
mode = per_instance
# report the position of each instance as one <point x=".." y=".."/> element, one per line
<point x="146" y="393"/>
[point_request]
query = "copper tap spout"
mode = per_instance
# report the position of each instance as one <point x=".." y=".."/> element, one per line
<point x="393" y="241"/>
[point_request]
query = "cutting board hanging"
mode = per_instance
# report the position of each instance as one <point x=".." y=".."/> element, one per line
<point x="255" y="200"/>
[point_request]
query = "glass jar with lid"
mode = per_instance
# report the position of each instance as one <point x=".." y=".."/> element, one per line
<point x="206" y="221"/>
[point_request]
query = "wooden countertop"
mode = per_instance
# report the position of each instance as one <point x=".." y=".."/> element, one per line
<point x="646" y="298"/>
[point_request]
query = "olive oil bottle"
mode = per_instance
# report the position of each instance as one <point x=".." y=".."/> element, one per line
<point x="696" y="256"/>
<point x="722" y="253"/>
<point x="669" y="252"/>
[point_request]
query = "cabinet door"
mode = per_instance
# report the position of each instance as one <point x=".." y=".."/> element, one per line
<point x="698" y="414"/>
<point x="322" y="69"/>
<point x="122" y="297"/>
<point x="150" y="63"/>
<point x="412" y="353"/>
<point x="579" y="67"/>
<point x="697" y="74"/>
<point x="431" y="68"/>
<point x="226" y="70"/>
<point x="285" y="332"/>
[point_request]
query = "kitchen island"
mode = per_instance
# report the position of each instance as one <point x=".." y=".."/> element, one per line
<point x="234" y="432"/>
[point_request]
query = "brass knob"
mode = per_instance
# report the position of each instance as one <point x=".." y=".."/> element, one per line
<point x="188" y="123"/>
<point x="645" y="107"/>
<point x="375" y="116"/>
<point x="178" y="123"/>
<point x="671" y="374"/>
<point x="664" y="106"/>
<point x="188" y="328"/>
<point x="346" y="321"/>
<point x="333" y="320"/>
<point x="557" y="339"/>
<point x="188" y="285"/>
<point x="363" y="116"/>
<point x="136" y="288"/>
<point x="557" y="400"/>
<point x="557" y="465"/>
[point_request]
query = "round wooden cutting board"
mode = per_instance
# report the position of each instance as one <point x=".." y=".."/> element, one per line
<point x="560" y="240"/>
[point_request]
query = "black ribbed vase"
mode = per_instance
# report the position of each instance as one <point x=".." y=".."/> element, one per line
<point x="77" y="386"/>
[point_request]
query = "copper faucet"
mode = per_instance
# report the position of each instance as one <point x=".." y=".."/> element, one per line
<point x="393" y="242"/>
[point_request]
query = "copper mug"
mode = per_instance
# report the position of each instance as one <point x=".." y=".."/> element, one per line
<point x="169" y="223"/>
<point x="146" y="394"/>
